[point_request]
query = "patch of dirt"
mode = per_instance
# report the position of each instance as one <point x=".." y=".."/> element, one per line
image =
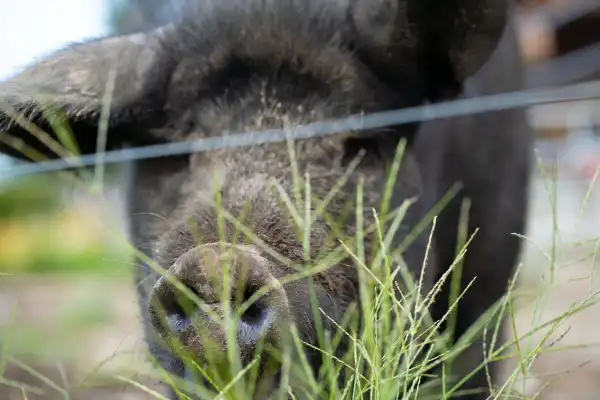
<point x="567" y="365"/>
<point x="32" y="388"/>
<point x="85" y="327"/>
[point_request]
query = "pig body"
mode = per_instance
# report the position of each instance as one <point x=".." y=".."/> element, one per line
<point x="233" y="66"/>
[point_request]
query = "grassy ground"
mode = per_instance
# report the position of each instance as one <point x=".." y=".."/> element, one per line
<point x="567" y="365"/>
<point x="68" y="316"/>
<point x="69" y="324"/>
<point x="84" y="325"/>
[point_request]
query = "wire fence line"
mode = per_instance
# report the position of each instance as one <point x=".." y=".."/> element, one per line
<point x="429" y="112"/>
<point x="559" y="71"/>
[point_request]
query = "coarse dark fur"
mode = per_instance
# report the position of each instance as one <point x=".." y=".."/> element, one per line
<point x="247" y="65"/>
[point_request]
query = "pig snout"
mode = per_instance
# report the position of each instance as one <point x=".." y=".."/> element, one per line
<point x="202" y="271"/>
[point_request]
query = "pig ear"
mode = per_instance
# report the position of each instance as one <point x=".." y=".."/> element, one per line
<point x="450" y="39"/>
<point x="73" y="81"/>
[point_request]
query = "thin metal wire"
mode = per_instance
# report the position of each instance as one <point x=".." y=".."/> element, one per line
<point x="455" y="108"/>
<point x="574" y="66"/>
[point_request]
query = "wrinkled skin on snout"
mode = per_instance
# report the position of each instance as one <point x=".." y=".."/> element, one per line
<point x="248" y="65"/>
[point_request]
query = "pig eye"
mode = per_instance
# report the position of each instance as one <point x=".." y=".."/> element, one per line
<point x="190" y="83"/>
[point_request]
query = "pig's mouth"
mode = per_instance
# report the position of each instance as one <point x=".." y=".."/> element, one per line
<point x="192" y="381"/>
<point x="196" y="385"/>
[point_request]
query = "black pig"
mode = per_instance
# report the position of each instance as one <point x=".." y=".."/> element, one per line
<point x="247" y="65"/>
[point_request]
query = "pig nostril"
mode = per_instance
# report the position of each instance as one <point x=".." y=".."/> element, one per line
<point x="254" y="314"/>
<point x="178" y="320"/>
<point x="179" y="313"/>
<point x="255" y="320"/>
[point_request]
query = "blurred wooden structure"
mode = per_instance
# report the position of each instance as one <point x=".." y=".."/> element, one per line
<point x="560" y="41"/>
<point x="554" y="28"/>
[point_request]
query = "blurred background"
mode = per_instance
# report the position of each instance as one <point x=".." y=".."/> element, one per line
<point x="68" y="315"/>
